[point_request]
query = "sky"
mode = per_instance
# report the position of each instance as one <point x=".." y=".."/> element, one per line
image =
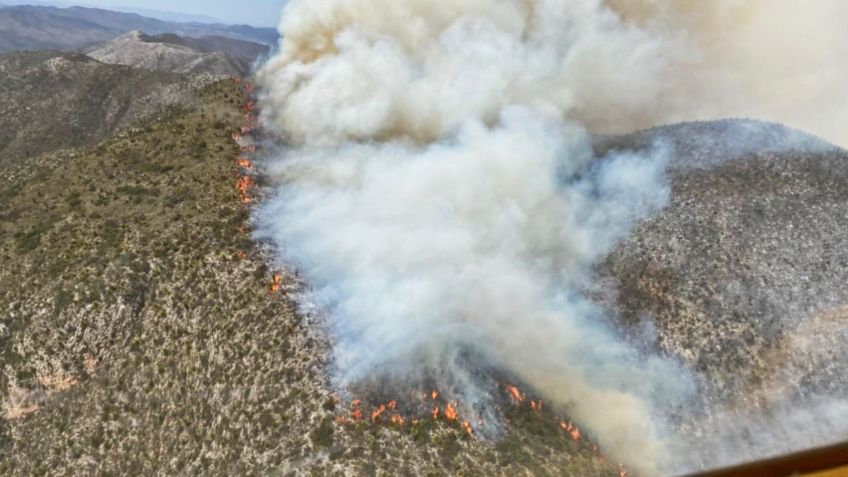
<point x="263" y="13"/>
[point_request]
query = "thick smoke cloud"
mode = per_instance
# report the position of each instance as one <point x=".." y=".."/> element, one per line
<point x="439" y="193"/>
<point x="775" y="60"/>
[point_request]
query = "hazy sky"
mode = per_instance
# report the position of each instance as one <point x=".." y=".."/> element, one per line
<point x="252" y="12"/>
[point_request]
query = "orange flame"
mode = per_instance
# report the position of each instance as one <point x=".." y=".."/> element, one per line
<point x="237" y="137"/>
<point x="245" y="163"/>
<point x="357" y="410"/>
<point x="378" y="412"/>
<point x="571" y="429"/>
<point x="536" y="406"/>
<point x="516" y="393"/>
<point x="467" y="426"/>
<point x="450" y="413"/>
<point x="243" y="185"/>
<point x="278" y="282"/>
<point x="390" y="409"/>
<point x="622" y="471"/>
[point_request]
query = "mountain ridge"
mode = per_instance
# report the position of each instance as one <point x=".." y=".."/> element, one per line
<point x="32" y="27"/>
<point x="171" y="53"/>
<point x="51" y="100"/>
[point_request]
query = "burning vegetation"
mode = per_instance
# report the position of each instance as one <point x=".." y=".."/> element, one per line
<point x="432" y="408"/>
<point x="246" y="172"/>
<point x="246" y="175"/>
<point x="229" y="300"/>
<point x="419" y="413"/>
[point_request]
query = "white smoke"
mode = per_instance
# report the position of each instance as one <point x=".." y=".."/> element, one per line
<point x="439" y="193"/>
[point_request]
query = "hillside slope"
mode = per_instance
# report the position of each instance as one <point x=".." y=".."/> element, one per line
<point x="51" y="100"/>
<point x="140" y="335"/>
<point x="743" y="278"/>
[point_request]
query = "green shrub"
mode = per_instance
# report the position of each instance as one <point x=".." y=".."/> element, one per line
<point x="134" y="191"/>
<point x="322" y="436"/>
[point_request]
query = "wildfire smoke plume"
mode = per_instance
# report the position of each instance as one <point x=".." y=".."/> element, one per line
<point x="438" y="191"/>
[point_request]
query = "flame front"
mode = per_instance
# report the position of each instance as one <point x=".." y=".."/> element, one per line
<point x="245" y="181"/>
<point x="378" y="412"/>
<point x="571" y="429"/>
<point x="391" y="411"/>
<point x="450" y="412"/>
<point x="244" y="184"/>
<point x="278" y="282"/>
<point x="357" y="410"/>
<point x="516" y="393"/>
<point x="467" y="426"/>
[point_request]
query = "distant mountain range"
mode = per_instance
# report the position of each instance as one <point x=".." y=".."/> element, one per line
<point x="167" y="16"/>
<point x="43" y="27"/>
<point x="175" y="54"/>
